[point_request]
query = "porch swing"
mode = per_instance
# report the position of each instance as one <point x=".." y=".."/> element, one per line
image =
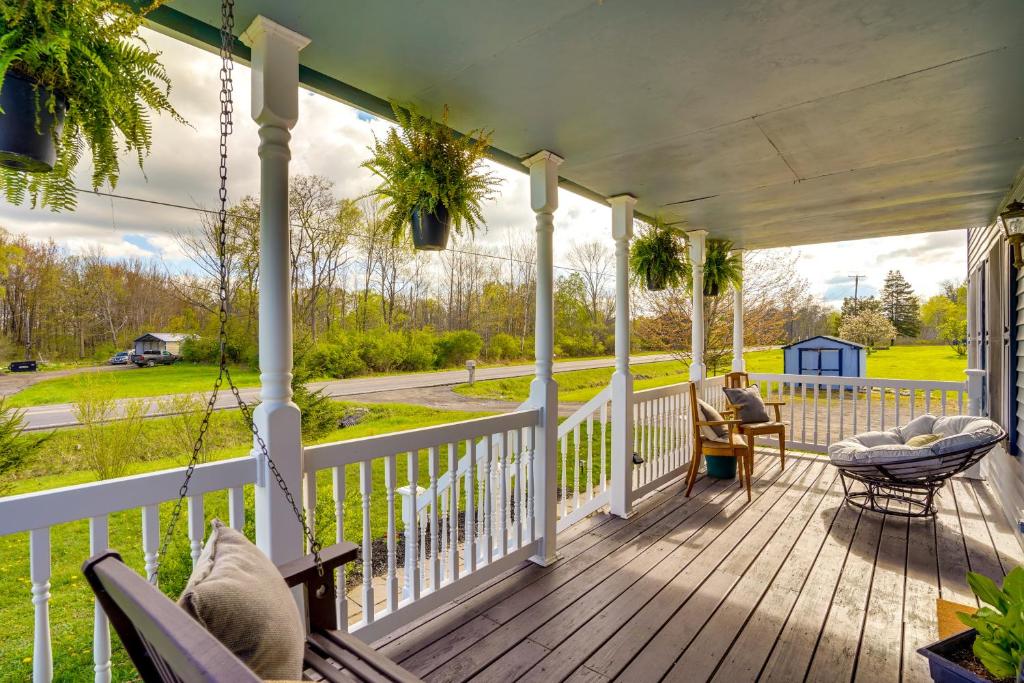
<point x="164" y="642"/>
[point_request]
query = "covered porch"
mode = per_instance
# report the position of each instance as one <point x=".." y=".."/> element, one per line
<point x="521" y="545"/>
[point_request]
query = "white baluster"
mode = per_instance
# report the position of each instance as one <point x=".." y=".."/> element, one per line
<point x="604" y="448"/>
<point x="803" y="412"/>
<point x="196" y="525"/>
<point x="828" y="414"/>
<point x="842" y="412"/>
<point x="898" y="396"/>
<point x="518" y="490"/>
<point x="487" y="500"/>
<point x="433" y="465"/>
<point x="856" y="393"/>
<point x="503" y="494"/>
<point x="99" y="540"/>
<point x="151" y="539"/>
<point x="816" y="413"/>
<point x="928" y="401"/>
<point x="881" y="406"/>
<point x="236" y="508"/>
<point x="39" y="574"/>
<point x="443" y="538"/>
<point x="390" y="483"/>
<point x="411" y="526"/>
<point x="470" y="522"/>
<point x="453" y="510"/>
<point x="565" y="478"/>
<point x="423" y="549"/>
<point x="365" y="490"/>
<point x="338" y="491"/>
<point x="309" y="503"/>
<point x="576" y="468"/>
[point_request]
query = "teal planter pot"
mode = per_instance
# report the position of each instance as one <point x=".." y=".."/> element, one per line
<point x="721" y="466"/>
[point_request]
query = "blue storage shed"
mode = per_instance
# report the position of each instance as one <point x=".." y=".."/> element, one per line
<point x="825" y="356"/>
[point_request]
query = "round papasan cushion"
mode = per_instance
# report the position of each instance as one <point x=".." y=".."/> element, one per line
<point x="958" y="433"/>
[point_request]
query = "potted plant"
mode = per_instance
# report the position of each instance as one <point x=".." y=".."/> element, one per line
<point x="722" y="267"/>
<point x="432" y="178"/>
<point x="993" y="649"/>
<point x="657" y="259"/>
<point x="73" y="76"/>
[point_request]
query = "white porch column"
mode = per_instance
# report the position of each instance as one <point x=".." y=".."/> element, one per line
<point x="275" y="107"/>
<point x="738" y="364"/>
<point x="697" y="239"/>
<point x="544" y="390"/>
<point x="622" y="379"/>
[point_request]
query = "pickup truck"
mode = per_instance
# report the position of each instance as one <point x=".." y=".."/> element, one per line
<point x="148" y="359"/>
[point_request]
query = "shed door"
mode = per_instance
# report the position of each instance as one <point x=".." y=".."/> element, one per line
<point x="826" y="362"/>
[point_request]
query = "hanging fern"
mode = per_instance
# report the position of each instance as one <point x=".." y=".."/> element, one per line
<point x="88" y="54"/>
<point x="657" y="258"/>
<point x="723" y="268"/>
<point x="423" y="163"/>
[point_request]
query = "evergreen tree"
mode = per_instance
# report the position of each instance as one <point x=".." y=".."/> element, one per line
<point x="900" y="305"/>
<point x="853" y="307"/>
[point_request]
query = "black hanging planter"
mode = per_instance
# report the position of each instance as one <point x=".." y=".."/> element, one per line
<point x="22" y="147"/>
<point x="711" y="289"/>
<point x="430" y="230"/>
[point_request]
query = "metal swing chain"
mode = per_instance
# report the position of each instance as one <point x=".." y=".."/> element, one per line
<point x="227" y="42"/>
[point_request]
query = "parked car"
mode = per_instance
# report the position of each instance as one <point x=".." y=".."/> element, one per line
<point x="121" y="358"/>
<point x="148" y="359"/>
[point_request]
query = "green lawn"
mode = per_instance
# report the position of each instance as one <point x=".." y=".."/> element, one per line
<point x="71" y="604"/>
<point x="181" y="378"/>
<point x="900" y="362"/>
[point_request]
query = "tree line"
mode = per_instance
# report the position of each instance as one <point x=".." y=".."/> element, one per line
<point x="362" y="302"/>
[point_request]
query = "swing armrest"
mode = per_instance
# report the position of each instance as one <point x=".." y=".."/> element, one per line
<point x="303" y="570"/>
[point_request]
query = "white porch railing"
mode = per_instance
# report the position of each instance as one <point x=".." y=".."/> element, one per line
<point x="584" y="440"/>
<point x="37" y="513"/>
<point x="823" y="410"/>
<point x="449" y="545"/>
<point x="661" y="435"/>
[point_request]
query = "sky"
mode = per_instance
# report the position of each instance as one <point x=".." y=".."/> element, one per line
<point x="331" y="139"/>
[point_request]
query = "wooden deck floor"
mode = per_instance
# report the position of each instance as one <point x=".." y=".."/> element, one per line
<point x="792" y="586"/>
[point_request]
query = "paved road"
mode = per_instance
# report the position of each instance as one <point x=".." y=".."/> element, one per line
<point x="392" y="386"/>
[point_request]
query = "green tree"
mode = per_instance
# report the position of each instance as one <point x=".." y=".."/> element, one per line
<point x="900" y="305"/>
<point x="852" y="307"/>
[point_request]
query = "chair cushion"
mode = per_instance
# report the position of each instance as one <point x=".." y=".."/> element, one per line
<point x="748" y="402"/>
<point x="709" y="414"/>
<point x="763" y="425"/>
<point x="956" y="433"/>
<point x="737" y="440"/>
<point x="238" y="595"/>
<point x="923" y="440"/>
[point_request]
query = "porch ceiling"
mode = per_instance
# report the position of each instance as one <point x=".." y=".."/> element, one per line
<point x="770" y="122"/>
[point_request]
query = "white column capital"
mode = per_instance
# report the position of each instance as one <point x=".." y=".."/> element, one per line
<point x="622" y="216"/>
<point x="697" y="240"/>
<point x="543" y="180"/>
<point x="275" y="71"/>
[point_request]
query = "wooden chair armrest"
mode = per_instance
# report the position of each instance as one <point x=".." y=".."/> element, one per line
<point x="715" y="423"/>
<point x="303" y="569"/>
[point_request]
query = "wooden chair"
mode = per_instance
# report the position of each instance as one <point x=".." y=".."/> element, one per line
<point x="735" y="447"/>
<point x="166" y="645"/>
<point x="741" y="380"/>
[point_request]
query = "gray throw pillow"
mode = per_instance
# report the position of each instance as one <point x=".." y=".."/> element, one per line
<point x="238" y="595"/>
<point x="713" y="432"/>
<point x="749" y="404"/>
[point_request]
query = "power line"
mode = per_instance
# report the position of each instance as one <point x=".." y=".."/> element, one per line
<point x="466" y="252"/>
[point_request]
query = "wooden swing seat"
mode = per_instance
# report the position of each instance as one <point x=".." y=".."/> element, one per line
<point x="166" y="645"/>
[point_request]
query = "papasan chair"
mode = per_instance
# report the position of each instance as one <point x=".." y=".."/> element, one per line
<point x="909" y="464"/>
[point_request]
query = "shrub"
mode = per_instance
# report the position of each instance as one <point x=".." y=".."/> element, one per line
<point x="503" y="347"/>
<point x="319" y="413"/>
<point x="184" y="417"/>
<point x="15" y="446"/>
<point x="999" y="644"/>
<point x="110" y="431"/>
<point x="382" y="351"/>
<point x="455" y="348"/>
<point x="333" y="360"/>
<point x="419" y="351"/>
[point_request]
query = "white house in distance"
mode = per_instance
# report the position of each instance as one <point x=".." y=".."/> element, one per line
<point x="160" y="341"/>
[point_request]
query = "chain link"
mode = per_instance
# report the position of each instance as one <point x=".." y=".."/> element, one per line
<point x="227" y="43"/>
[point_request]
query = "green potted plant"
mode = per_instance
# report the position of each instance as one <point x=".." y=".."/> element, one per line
<point x="722" y="267"/>
<point x="993" y="648"/>
<point x="432" y="179"/>
<point x="657" y="257"/>
<point x="73" y="76"/>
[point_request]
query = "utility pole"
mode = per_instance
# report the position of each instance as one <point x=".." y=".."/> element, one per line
<point x="856" y="288"/>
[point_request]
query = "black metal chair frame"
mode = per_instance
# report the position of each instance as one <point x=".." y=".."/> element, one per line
<point x="898" y="481"/>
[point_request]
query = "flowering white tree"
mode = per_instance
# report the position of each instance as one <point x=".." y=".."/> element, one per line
<point x="870" y="328"/>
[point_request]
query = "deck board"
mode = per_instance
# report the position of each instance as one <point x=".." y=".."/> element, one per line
<point x="794" y="585"/>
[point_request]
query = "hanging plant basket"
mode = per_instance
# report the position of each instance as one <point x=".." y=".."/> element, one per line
<point x="711" y="289"/>
<point x="430" y="230"/>
<point x="23" y="147"/>
<point x="655" y="283"/>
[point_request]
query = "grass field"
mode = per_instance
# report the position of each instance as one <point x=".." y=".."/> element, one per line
<point x="900" y="362"/>
<point x="132" y="382"/>
<point x="71" y="604"/>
